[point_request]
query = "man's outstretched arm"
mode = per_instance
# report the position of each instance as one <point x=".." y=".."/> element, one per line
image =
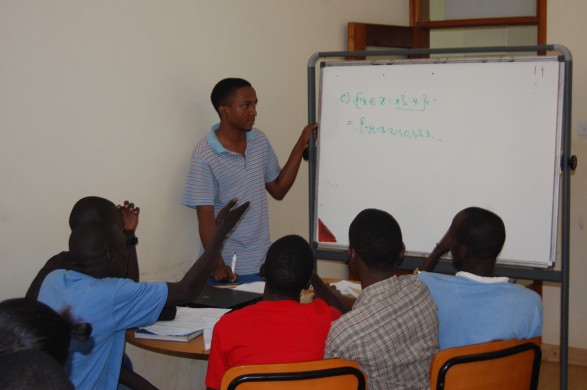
<point x="195" y="279"/>
<point x="280" y="186"/>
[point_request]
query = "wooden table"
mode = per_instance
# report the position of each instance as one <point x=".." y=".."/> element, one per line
<point x="193" y="349"/>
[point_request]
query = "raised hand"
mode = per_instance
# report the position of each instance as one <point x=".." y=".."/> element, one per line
<point x="228" y="217"/>
<point x="130" y="216"/>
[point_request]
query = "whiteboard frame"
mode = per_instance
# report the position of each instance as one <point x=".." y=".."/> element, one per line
<point x="548" y="255"/>
<point x="568" y="163"/>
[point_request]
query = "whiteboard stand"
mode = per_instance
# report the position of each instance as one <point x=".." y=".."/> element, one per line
<point x="568" y="163"/>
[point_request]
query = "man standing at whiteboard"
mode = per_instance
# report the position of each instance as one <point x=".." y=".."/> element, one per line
<point x="474" y="306"/>
<point x="236" y="160"/>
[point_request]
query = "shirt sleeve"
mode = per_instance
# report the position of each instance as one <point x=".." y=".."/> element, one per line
<point x="200" y="187"/>
<point x="217" y="361"/>
<point x="137" y="304"/>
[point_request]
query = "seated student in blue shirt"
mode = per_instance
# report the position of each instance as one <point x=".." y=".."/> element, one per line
<point x="97" y="292"/>
<point x="126" y="218"/>
<point x="95" y="208"/>
<point x="475" y="306"/>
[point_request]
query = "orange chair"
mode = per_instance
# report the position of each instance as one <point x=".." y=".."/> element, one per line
<point x="504" y="365"/>
<point x="340" y="374"/>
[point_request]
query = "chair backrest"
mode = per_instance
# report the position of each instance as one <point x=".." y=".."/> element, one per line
<point x="504" y="364"/>
<point x="340" y="374"/>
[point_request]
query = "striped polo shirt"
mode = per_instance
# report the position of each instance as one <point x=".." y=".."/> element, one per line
<point x="216" y="175"/>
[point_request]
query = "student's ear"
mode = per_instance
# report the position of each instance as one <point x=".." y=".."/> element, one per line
<point x="222" y="110"/>
<point x="352" y="257"/>
<point x="402" y="252"/>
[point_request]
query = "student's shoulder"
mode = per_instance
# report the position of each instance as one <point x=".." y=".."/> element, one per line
<point x="414" y="280"/>
<point x="343" y="332"/>
<point x="258" y="136"/>
<point x="351" y="318"/>
<point x="237" y="318"/>
<point x="525" y="292"/>
<point x="414" y="285"/>
<point x="322" y="309"/>
<point x="203" y="149"/>
<point x="55" y="275"/>
<point x="62" y="281"/>
<point x="434" y="278"/>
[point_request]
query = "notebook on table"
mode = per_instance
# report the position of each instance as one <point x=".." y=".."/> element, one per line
<point x="188" y="324"/>
<point x="143" y="333"/>
<point x="224" y="298"/>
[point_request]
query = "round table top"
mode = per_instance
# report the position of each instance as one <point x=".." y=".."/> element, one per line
<point x="193" y="349"/>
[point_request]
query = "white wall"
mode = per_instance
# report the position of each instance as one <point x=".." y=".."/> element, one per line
<point x="109" y="98"/>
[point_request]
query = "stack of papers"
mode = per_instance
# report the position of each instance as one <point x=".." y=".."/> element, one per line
<point x="181" y="335"/>
<point x="348" y="288"/>
<point x="255" y="287"/>
<point x="188" y="324"/>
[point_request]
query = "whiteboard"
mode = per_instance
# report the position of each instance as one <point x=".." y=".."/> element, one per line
<point x="424" y="139"/>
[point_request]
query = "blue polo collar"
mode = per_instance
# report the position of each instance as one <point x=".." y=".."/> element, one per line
<point x="215" y="143"/>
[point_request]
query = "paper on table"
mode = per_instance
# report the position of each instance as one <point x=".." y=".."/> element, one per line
<point x="188" y="320"/>
<point x="207" y="338"/>
<point x="348" y="288"/>
<point x="256" y="287"/>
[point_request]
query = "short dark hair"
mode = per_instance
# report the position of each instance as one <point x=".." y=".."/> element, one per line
<point x="93" y="208"/>
<point x="224" y="89"/>
<point x="32" y="369"/>
<point x="27" y="324"/>
<point x="481" y="232"/>
<point x="89" y="241"/>
<point x="288" y="265"/>
<point x="377" y="238"/>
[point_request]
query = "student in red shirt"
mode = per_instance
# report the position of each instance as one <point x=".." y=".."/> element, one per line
<point x="279" y="329"/>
